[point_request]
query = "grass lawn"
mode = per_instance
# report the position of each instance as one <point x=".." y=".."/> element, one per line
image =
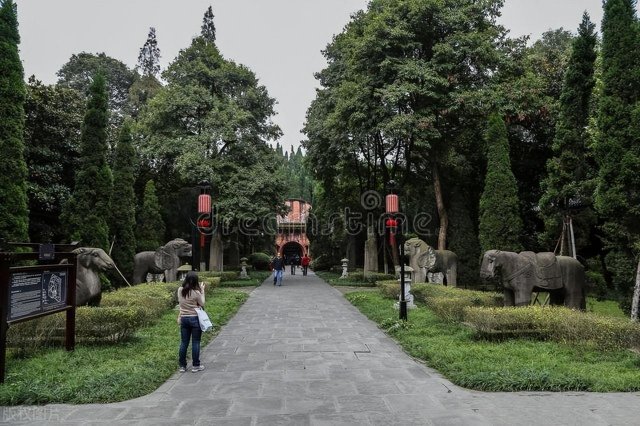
<point x="512" y="365"/>
<point x="109" y="373"/>
<point x="255" y="279"/>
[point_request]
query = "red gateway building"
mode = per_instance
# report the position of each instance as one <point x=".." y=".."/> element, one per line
<point x="292" y="229"/>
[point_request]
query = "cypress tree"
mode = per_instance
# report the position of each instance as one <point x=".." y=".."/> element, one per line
<point x="500" y="222"/>
<point x="571" y="170"/>
<point x="150" y="228"/>
<point x="14" y="216"/>
<point x="617" y="147"/>
<point x="88" y="210"/>
<point x="123" y="212"/>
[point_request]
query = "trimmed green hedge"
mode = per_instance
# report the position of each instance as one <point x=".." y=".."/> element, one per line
<point x="446" y="302"/>
<point x="372" y="277"/>
<point x="556" y="323"/>
<point x="224" y="276"/>
<point x="259" y="261"/>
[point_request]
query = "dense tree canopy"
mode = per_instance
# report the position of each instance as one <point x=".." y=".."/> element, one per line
<point x="13" y="179"/>
<point x="79" y="71"/>
<point x="54" y="117"/>
<point x="403" y="98"/>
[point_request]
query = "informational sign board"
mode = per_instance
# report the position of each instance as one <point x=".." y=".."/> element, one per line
<point x="29" y="292"/>
<point x="36" y="292"/>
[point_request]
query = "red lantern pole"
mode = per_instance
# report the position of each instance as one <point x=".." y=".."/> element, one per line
<point x="394" y="225"/>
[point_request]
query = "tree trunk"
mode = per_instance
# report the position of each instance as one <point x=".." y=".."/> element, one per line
<point x="442" y="211"/>
<point x="636" y="296"/>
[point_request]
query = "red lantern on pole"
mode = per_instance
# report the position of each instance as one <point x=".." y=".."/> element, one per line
<point x="204" y="204"/>
<point x="392" y="204"/>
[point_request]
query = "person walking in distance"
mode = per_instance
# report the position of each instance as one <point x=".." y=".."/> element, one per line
<point x="293" y="264"/>
<point x="190" y="296"/>
<point x="305" y="261"/>
<point x="277" y="264"/>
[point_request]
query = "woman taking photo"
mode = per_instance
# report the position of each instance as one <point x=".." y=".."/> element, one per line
<point x="190" y="297"/>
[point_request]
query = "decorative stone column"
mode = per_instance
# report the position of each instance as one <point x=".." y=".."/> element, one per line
<point x="370" y="252"/>
<point x="408" y="272"/>
<point x="243" y="265"/>
<point x="345" y="267"/>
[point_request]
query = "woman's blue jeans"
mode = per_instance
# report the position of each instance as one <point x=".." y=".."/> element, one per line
<point x="189" y="330"/>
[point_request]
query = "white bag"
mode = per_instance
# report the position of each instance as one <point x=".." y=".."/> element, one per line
<point x="203" y="318"/>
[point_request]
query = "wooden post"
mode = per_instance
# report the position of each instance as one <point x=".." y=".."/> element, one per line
<point x="5" y="263"/>
<point x="70" y="329"/>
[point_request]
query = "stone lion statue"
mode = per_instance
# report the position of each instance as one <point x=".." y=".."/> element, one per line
<point x="424" y="259"/>
<point x="90" y="262"/>
<point x="165" y="259"/>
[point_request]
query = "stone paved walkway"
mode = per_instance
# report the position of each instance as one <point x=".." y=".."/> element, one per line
<point x="300" y="354"/>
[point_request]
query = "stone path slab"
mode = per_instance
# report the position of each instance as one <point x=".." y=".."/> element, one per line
<point x="301" y="354"/>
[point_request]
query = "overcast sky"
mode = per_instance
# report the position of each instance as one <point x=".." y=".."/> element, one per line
<point x="280" y="40"/>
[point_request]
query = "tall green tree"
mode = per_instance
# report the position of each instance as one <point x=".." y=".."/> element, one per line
<point x="13" y="179"/>
<point x="54" y="117"/>
<point x="123" y="210"/>
<point x="570" y="172"/>
<point x="617" y="146"/>
<point x="208" y="29"/>
<point x="500" y="223"/>
<point x="87" y="212"/>
<point x="212" y="122"/>
<point x="149" y="56"/>
<point x="150" y="228"/>
<point x="405" y="89"/>
<point x="147" y="85"/>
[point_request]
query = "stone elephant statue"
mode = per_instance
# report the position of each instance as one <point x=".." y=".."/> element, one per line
<point x="165" y="260"/>
<point x="90" y="262"/>
<point x="522" y="273"/>
<point x="424" y="259"/>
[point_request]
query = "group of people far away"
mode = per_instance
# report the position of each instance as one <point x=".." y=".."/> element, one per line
<point x="278" y="266"/>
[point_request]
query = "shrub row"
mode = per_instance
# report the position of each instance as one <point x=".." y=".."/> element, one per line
<point x="556" y="323"/>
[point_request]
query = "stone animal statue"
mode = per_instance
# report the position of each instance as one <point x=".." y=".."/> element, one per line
<point x="165" y="259"/>
<point x="424" y="259"/>
<point x="522" y="273"/>
<point x="90" y="262"/>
